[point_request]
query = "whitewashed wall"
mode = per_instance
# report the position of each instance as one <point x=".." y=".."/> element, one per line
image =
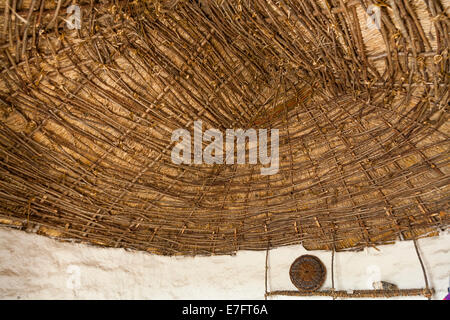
<point x="36" y="267"/>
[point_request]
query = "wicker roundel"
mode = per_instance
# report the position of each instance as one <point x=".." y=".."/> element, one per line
<point x="307" y="273"/>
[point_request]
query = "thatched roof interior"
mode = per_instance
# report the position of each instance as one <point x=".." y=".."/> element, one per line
<point x="86" y="118"/>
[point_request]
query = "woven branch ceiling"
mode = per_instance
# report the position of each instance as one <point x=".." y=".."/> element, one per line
<point x="86" y="118"/>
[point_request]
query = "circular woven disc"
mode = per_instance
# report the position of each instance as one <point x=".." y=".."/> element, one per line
<point x="307" y="273"/>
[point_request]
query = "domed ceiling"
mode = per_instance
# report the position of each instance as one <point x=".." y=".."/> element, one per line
<point x="92" y="92"/>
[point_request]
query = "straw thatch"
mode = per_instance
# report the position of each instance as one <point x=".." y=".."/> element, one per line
<point x="86" y="118"/>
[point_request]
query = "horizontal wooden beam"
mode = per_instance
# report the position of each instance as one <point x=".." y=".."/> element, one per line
<point x="356" y="293"/>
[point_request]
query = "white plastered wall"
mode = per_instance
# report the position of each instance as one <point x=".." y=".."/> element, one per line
<point x="36" y="267"/>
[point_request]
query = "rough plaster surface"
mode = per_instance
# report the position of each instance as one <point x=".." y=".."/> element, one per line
<point x="36" y="267"/>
